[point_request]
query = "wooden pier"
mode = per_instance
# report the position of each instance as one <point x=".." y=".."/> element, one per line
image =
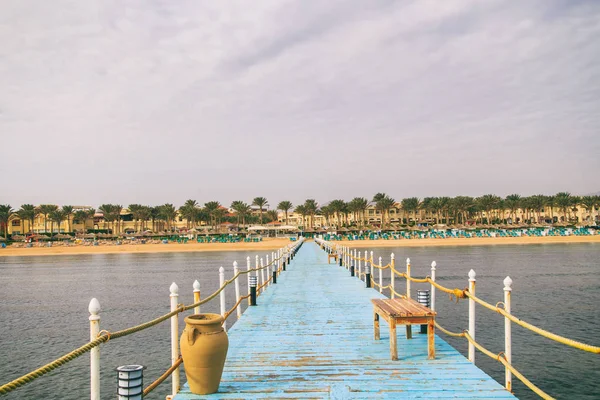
<point x="311" y="336"/>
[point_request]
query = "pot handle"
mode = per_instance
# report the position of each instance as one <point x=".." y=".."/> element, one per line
<point x="191" y="335"/>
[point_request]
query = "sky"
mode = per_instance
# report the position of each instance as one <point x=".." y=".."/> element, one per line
<point x="122" y="101"/>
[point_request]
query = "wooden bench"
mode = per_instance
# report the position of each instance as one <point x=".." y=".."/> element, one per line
<point x="405" y="312"/>
<point x="330" y="256"/>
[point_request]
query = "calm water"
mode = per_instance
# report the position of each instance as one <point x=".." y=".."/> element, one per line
<point x="44" y="300"/>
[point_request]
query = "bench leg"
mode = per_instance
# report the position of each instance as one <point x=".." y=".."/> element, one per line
<point x="393" y="340"/>
<point x="376" y="325"/>
<point x="408" y="331"/>
<point x="430" y="340"/>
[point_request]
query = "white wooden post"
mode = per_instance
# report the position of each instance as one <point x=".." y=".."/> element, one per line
<point x="392" y="276"/>
<point x="472" y="316"/>
<point x="174" y="289"/>
<point x="268" y="271"/>
<point x="371" y="261"/>
<point x="237" y="289"/>
<point x="359" y="266"/>
<point x="433" y="265"/>
<point x="222" y="295"/>
<point x="408" y="278"/>
<point x="257" y="273"/>
<point x="507" y="333"/>
<point x="196" y="296"/>
<point x="354" y="261"/>
<point x="380" y="277"/>
<point x="262" y="274"/>
<point x="248" y="276"/>
<point x="94" y="309"/>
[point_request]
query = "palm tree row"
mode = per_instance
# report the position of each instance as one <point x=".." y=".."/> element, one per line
<point x="488" y="208"/>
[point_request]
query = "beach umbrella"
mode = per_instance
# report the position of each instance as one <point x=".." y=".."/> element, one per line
<point x="42" y="237"/>
<point x="61" y="236"/>
<point x="17" y="237"/>
<point x="2" y="239"/>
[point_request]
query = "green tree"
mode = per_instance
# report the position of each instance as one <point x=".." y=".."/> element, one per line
<point x="272" y="215"/>
<point x="189" y="211"/>
<point x="410" y="205"/>
<point x="68" y="210"/>
<point x="311" y="208"/>
<point x="211" y="208"/>
<point x="487" y="203"/>
<point x="260" y="202"/>
<point x="301" y="210"/>
<point x="285" y="206"/>
<point x="82" y="216"/>
<point x="135" y="210"/>
<point x="57" y="216"/>
<point x="383" y="203"/>
<point x="564" y="201"/>
<point x="45" y="210"/>
<point x="338" y="207"/>
<point x="28" y="213"/>
<point x="168" y="213"/>
<point x="358" y="206"/>
<point x="108" y="211"/>
<point x="6" y="213"/>
<point x="589" y="202"/>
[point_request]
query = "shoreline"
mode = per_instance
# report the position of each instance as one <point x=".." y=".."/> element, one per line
<point x="272" y="244"/>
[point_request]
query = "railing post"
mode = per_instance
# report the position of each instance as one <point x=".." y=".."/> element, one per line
<point x="94" y="309"/>
<point x="257" y="273"/>
<point x="174" y="289"/>
<point x="507" y="333"/>
<point x="262" y="275"/>
<point x="268" y="270"/>
<point x="237" y="289"/>
<point x="248" y="275"/>
<point x="408" y="278"/>
<point x="359" y="266"/>
<point x="472" y="316"/>
<point x="433" y="265"/>
<point x="380" y="277"/>
<point x="222" y="295"/>
<point x="367" y="277"/>
<point x="196" y="296"/>
<point x="392" y="276"/>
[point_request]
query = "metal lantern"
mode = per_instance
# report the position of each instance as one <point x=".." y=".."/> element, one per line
<point x="130" y="382"/>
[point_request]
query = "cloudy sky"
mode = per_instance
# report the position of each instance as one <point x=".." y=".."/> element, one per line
<point x="161" y="101"/>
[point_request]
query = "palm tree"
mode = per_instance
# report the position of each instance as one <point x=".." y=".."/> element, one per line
<point x="57" y="216"/>
<point x="117" y="210"/>
<point x="211" y="208"/>
<point x="487" y="203"/>
<point x="383" y="203"/>
<point x="337" y="207"/>
<point x="326" y="212"/>
<point x="410" y="205"/>
<point x="68" y="210"/>
<point x="168" y="213"/>
<point x="513" y="203"/>
<point x="589" y="202"/>
<point x="285" y="206"/>
<point x="272" y="215"/>
<point x="145" y="213"/>
<point x="28" y="213"/>
<point x="301" y="209"/>
<point x="109" y="213"/>
<point x="83" y="215"/>
<point x="564" y="202"/>
<point x="189" y="211"/>
<point x="260" y="202"/>
<point x="311" y="207"/>
<point x="45" y="210"/>
<point x="6" y="213"/>
<point x="135" y="210"/>
<point x="463" y="206"/>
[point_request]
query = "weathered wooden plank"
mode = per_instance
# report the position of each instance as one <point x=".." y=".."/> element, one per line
<point x="311" y="336"/>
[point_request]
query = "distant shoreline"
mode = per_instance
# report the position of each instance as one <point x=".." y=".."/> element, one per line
<point x="272" y="244"/>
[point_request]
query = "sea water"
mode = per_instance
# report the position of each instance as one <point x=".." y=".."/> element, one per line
<point x="44" y="311"/>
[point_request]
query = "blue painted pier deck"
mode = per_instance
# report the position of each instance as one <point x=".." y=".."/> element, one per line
<point x="311" y="336"/>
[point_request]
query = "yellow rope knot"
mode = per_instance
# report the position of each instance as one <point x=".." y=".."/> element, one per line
<point x="458" y="294"/>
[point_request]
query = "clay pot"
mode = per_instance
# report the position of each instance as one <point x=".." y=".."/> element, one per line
<point x="204" y="345"/>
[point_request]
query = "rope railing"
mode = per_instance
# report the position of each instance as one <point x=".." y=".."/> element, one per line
<point x="163" y="377"/>
<point x="104" y="335"/>
<point x="503" y="308"/>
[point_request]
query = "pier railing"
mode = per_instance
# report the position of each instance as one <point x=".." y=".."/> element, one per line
<point x="278" y="261"/>
<point x="363" y="265"/>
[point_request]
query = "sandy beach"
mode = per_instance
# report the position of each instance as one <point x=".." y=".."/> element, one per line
<point x="271" y="244"/>
<point x="486" y="241"/>
<point x="266" y="244"/>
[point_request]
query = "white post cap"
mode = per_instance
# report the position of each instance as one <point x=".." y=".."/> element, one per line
<point x="174" y="288"/>
<point x="433" y="265"/>
<point x="508" y="284"/>
<point x="221" y="270"/>
<point x="408" y="260"/>
<point x="392" y="256"/>
<point x="472" y="275"/>
<point x="235" y="264"/>
<point x="94" y="307"/>
<point x="196" y="286"/>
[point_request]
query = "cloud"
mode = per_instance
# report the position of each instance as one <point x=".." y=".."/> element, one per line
<point x="160" y="101"/>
